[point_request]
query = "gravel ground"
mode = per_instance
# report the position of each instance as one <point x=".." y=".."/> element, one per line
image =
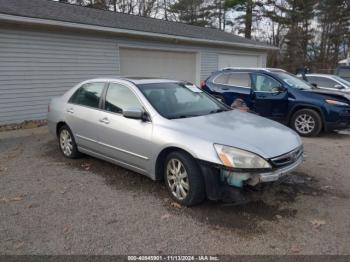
<point x="52" y="205"/>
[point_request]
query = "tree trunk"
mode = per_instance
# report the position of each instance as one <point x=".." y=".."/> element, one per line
<point x="248" y="19"/>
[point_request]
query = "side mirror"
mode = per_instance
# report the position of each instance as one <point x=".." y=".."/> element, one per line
<point x="134" y="113"/>
<point x="314" y="84"/>
<point x="338" y="86"/>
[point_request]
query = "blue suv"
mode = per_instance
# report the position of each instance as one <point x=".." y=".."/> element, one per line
<point x="278" y="95"/>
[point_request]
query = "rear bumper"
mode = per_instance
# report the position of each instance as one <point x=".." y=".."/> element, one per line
<point x="217" y="189"/>
<point x="52" y="127"/>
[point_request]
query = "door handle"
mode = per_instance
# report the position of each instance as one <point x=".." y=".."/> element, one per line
<point x="104" y="120"/>
<point x="225" y="88"/>
<point x="70" y="110"/>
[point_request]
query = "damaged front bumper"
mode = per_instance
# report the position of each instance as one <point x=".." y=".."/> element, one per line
<point x="225" y="184"/>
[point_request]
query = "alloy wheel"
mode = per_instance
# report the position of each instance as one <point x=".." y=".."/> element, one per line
<point x="66" y="142"/>
<point x="177" y="179"/>
<point x="305" y="124"/>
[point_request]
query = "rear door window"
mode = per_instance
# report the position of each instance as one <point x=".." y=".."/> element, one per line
<point x="239" y="79"/>
<point x="221" y="79"/>
<point x="88" y="95"/>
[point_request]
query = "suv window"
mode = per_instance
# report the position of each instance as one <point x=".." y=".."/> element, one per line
<point x="120" y="97"/>
<point x="88" y="95"/>
<point x="240" y="79"/>
<point x="322" y="81"/>
<point x="221" y="79"/>
<point x="264" y="83"/>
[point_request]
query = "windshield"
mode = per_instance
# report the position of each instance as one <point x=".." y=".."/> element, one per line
<point x="343" y="81"/>
<point x="293" y="81"/>
<point x="180" y="100"/>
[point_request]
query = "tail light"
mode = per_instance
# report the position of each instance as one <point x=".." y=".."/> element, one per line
<point x="202" y="84"/>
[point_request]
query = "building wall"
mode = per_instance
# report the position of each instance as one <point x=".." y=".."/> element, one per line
<point x="38" y="65"/>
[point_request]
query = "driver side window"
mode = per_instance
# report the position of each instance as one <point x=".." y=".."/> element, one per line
<point x="120" y="97"/>
<point x="264" y="83"/>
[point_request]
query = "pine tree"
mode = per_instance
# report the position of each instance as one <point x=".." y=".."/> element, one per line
<point x="249" y="8"/>
<point x="190" y="11"/>
<point x="335" y="31"/>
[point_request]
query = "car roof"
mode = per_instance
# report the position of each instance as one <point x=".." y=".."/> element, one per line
<point x="325" y="75"/>
<point x="137" y="80"/>
<point x="253" y="69"/>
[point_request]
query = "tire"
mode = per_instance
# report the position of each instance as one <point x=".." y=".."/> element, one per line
<point x="67" y="143"/>
<point x="306" y="122"/>
<point x="195" y="190"/>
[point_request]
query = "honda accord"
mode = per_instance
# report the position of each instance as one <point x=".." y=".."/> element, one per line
<point x="172" y="130"/>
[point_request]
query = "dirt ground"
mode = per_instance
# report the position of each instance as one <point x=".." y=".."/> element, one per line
<point x="52" y="205"/>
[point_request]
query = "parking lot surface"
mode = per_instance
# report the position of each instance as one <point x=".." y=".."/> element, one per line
<point x="53" y="205"/>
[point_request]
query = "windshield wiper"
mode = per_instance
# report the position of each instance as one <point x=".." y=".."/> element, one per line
<point x="182" y="116"/>
<point x="217" y="111"/>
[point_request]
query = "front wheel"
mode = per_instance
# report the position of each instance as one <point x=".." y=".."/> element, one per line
<point x="307" y="122"/>
<point x="183" y="179"/>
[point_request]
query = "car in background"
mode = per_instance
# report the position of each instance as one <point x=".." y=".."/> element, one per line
<point x="172" y="130"/>
<point x="343" y="72"/>
<point x="327" y="81"/>
<point x="281" y="96"/>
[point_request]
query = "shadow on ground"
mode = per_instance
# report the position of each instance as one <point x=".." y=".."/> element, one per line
<point x="272" y="204"/>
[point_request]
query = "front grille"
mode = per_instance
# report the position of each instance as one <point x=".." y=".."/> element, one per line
<point x="287" y="159"/>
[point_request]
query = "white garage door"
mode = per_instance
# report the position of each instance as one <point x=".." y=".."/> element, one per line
<point x="240" y="61"/>
<point x="154" y="63"/>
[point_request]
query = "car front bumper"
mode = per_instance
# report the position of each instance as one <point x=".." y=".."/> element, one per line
<point x="278" y="173"/>
<point x="219" y="189"/>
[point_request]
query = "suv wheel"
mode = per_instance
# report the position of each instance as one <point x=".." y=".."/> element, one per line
<point x="183" y="179"/>
<point x="67" y="143"/>
<point x="306" y="122"/>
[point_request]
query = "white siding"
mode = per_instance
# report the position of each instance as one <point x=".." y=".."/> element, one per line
<point x="35" y="66"/>
<point x="209" y="63"/>
<point x="164" y="64"/>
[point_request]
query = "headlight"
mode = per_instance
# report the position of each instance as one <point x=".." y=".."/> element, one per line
<point x="238" y="158"/>
<point x="336" y="103"/>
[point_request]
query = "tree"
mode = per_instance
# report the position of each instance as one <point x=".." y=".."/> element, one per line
<point x="334" y="31"/>
<point x="250" y="12"/>
<point x="99" y="4"/>
<point x="190" y="12"/>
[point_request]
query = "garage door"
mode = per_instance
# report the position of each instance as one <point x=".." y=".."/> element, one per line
<point x="154" y="63"/>
<point x="240" y="61"/>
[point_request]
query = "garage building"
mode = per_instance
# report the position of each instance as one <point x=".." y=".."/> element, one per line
<point x="47" y="47"/>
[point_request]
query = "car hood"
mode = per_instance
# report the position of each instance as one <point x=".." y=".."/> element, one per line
<point x="343" y="95"/>
<point x="246" y="131"/>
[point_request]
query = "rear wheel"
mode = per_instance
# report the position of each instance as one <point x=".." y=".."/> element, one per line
<point x="183" y="179"/>
<point x="307" y="122"/>
<point x="67" y="143"/>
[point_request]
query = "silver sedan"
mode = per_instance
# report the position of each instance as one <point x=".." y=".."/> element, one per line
<point x="172" y="130"/>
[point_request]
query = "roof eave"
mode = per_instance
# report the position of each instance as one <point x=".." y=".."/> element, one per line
<point x="40" y="21"/>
